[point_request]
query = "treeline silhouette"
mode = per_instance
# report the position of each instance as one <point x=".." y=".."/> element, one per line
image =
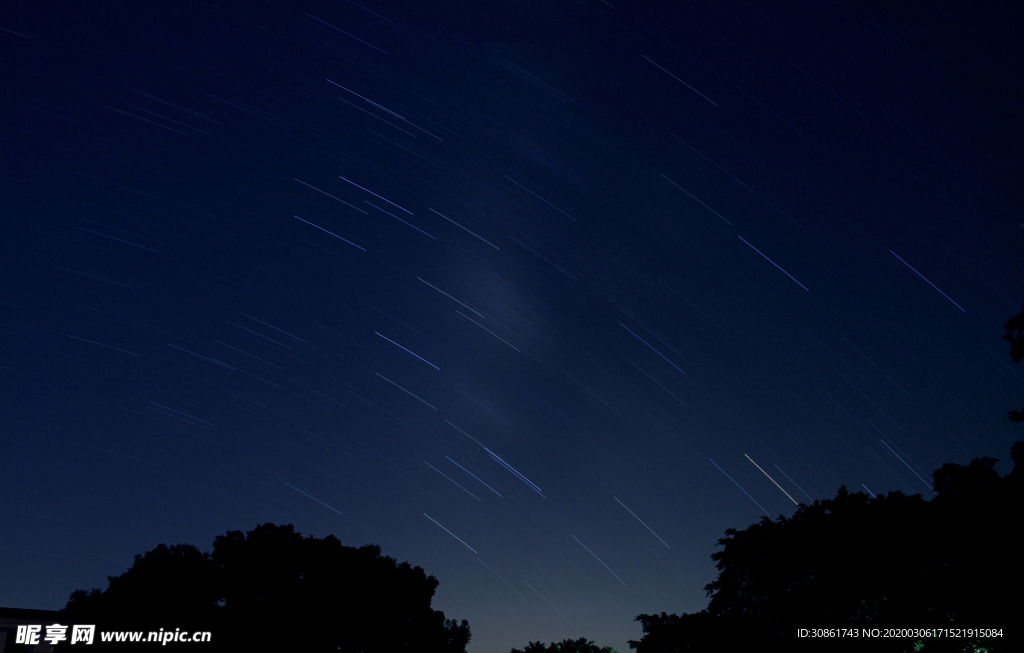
<point x="273" y="590"/>
<point x="855" y="563"/>
<point x="581" y="645"/>
<point x="858" y="562"/>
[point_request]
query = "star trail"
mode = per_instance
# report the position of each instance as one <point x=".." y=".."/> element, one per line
<point x="467" y="279"/>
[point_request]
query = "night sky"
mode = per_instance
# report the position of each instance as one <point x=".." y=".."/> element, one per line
<point x="541" y="296"/>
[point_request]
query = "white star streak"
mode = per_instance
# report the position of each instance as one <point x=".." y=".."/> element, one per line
<point x="487" y="330"/>
<point x="463" y="228"/>
<point x="274" y="327"/>
<point x="399" y="219"/>
<point x="362" y="98"/>
<point x="453" y="299"/>
<point x="680" y="81"/>
<point x="775" y="264"/>
<point x="125" y="351"/>
<point x="794" y="483"/>
<point x="181" y="413"/>
<point x="450" y="479"/>
<point x="450" y="533"/>
<point x="330" y="508"/>
<point x="549" y="603"/>
<point x="331" y="196"/>
<point x="599" y="560"/>
<point x="905" y="463"/>
<point x="772" y="480"/>
<point x="417" y="356"/>
<point x="373" y="193"/>
<point x="346" y="34"/>
<point x="402" y="389"/>
<point x="740" y="487"/>
<point x="737" y="180"/>
<point x="697" y="200"/>
<point x="503" y="580"/>
<point x="929" y="282"/>
<point x="652" y="348"/>
<point x="187" y="352"/>
<point x="539" y="197"/>
<point x="512" y="469"/>
<point x="473" y="475"/>
<point x="325" y="231"/>
<point x="642" y="522"/>
<point x="464" y="433"/>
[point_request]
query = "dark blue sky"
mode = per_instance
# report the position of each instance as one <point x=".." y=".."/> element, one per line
<point x="520" y="291"/>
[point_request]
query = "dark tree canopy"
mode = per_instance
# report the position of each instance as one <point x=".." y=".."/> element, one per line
<point x="581" y="645"/>
<point x="861" y="562"/>
<point x="273" y="590"/>
<point x="170" y="585"/>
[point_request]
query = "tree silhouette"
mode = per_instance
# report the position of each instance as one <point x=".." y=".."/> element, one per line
<point x="859" y="562"/>
<point x="581" y="645"/>
<point x="174" y="586"/>
<point x="273" y="590"/>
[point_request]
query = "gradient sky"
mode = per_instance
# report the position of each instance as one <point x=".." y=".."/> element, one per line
<point x="521" y="291"/>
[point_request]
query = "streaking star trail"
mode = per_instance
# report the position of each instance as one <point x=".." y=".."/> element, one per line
<point x="343" y="269"/>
